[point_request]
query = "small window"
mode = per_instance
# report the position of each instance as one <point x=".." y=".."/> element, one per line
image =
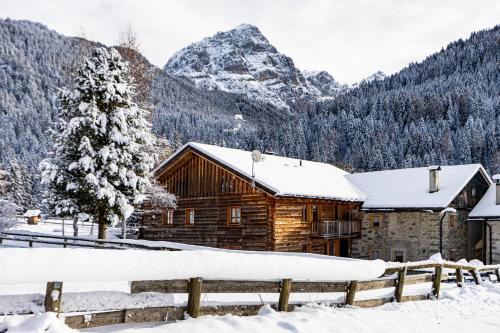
<point x="315" y="213"/>
<point x="374" y="254"/>
<point x="452" y="221"/>
<point x="306" y="213"/>
<point x="453" y="255"/>
<point x="335" y="212"/>
<point x="398" y="256"/>
<point x="234" y="215"/>
<point x="167" y="217"/>
<point x="376" y="220"/>
<point x="189" y="216"/>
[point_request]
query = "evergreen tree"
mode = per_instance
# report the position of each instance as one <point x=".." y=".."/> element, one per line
<point x="20" y="191"/>
<point x="103" y="146"/>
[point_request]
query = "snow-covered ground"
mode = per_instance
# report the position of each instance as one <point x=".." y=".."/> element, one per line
<point x="468" y="309"/>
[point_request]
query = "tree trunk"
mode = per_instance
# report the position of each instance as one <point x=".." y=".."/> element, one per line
<point x="75" y="226"/>
<point x="124" y="230"/>
<point x="103" y="227"/>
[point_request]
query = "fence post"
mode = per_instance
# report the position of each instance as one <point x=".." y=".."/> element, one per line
<point x="436" y="285"/>
<point x="286" y="286"/>
<point x="460" y="277"/>
<point x="194" y="297"/>
<point x="475" y="275"/>
<point x="53" y="296"/>
<point x="400" y="284"/>
<point x="351" y="292"/>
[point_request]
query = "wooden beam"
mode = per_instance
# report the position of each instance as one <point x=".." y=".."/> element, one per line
<point x="398" y="293"/>
<point x="53" y="294"/>
<point x="436" y="285"/>
<point x="194" y="297"/>
<point x="459" y="276"/>
<point x="351" y="293"/>
<point x="286" y="286"/>
<point x="475" y="276"/>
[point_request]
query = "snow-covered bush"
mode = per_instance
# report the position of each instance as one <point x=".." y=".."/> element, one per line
<point x="104" y="150"/>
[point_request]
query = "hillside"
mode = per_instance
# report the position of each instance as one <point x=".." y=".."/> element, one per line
<point x="442" y="110"/>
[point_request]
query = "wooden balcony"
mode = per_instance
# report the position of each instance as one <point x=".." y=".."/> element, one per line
<point x="336" y="228"/>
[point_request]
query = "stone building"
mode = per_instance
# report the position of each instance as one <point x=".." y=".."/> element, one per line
<point x="405" y="209"/>
<point x="486" y="215"/>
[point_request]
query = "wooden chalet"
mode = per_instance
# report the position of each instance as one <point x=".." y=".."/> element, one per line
<point x="227" y="200"/>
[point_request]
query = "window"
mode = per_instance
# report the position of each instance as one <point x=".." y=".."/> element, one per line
<point x="398" y="255"/>
<point x="189" y="216"/>
<point x="234" y="215"/>
<point x="167" y="217"/>
<point x="376" y="220"/>
<point x="344" y="213"/>
<point x="374" y="254"/>
<point x="453" y="255"/>
<point x="315" y="213"/>
<point x="306" y="213"/>
<point x="452" y="221"/>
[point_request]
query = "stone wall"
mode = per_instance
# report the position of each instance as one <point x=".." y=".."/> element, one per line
<point x="495" y="232"/>
<point x="414" y="233"/>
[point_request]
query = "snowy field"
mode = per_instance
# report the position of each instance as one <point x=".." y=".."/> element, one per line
<point x="467" y="309"/>
<point x="99" y="280"/>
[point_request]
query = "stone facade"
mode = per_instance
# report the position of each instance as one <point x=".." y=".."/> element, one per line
<point x="410" y="236"/>
<point x="495" y="244"/>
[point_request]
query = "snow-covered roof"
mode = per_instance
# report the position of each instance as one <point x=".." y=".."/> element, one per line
<point x="486" y="207"/>
<point x="409" y="188"/>
<point x="282" y="175"/>
<point x="32" y="213"/>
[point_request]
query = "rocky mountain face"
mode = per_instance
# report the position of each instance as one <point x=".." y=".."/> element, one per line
<point x="324" y="82"/>
<point x="242" y="61"/>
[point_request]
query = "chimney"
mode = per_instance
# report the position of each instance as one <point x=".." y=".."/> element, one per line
<point x="434" y="178"/>
<point x="496" y="179"/>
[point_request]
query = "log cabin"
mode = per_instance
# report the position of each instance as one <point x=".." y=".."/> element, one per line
<point x="225" y="199"/>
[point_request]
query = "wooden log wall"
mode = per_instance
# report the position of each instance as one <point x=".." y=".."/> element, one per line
<point x="293" y="234"/>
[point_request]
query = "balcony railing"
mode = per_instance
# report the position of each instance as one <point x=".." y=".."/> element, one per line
<point x="336" y="228"/>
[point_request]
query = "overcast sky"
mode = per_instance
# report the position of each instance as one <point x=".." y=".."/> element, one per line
<point x="350" y="39"/>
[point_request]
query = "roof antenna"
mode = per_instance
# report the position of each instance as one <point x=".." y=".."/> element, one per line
<point x="256" y="157"/>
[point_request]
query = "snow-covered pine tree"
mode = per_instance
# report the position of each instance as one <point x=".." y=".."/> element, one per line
<point x="104" y="149"/>
<point x="20" y="191"/>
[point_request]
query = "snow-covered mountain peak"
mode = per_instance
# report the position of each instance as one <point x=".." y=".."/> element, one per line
<point x="324" y="82"/>
<point x="242" y="61"/>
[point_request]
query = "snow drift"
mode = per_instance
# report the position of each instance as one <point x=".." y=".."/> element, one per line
<point x="20" y="265"/>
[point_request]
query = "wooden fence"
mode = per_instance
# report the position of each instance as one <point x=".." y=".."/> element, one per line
<point x="398" y="278"/>
<point x="66" y="241"/>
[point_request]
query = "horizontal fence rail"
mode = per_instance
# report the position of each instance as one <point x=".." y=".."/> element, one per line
<point x="395" y="278"/>
<point x="66" y="241"/>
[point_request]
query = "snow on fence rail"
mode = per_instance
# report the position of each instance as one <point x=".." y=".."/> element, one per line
<point x="65" y="241"/>
<point x="400" y="277"/>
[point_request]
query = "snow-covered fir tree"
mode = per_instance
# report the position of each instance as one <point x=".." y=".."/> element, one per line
<point x="20" y="180"/>
<point x="104" y="150"/>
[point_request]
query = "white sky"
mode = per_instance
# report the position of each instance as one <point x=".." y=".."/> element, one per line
<point x="350" y="39"/>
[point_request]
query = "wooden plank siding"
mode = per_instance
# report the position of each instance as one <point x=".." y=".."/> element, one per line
<point x="267" y="222"/>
